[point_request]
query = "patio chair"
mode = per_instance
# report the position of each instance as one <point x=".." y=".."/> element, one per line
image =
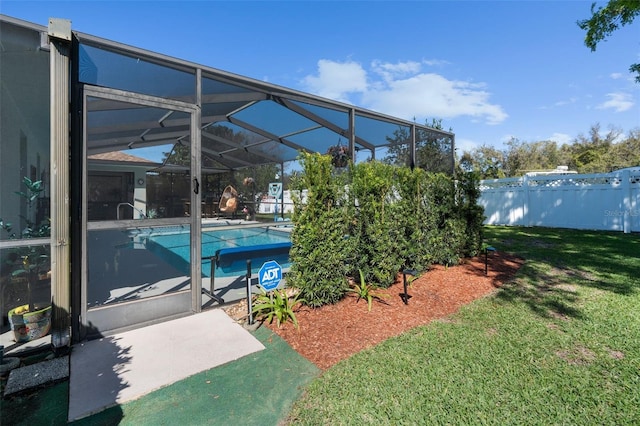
<point x="229" y="200"/>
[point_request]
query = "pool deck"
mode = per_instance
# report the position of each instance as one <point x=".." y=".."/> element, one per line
<point x="230" y="289"/>
<point x="121" y="368"/>
<point x="134" y="366"/>
<point x="256" y="389"/>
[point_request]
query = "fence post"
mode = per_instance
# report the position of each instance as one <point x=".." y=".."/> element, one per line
<point x="526" y="217"/>
<point x="626" y="200"/>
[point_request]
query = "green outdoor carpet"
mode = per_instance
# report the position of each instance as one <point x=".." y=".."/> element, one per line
<point x="257" y="389"/>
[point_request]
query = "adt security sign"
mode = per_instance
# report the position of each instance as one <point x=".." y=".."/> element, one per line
<point x="270" y="275"/>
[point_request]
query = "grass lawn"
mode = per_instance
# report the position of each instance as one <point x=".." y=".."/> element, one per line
<point x="559" y="345"/>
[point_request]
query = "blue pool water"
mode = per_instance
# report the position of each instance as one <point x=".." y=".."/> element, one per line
<point x="174" y="247"/>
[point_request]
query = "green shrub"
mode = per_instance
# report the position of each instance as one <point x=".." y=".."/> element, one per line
<point x="472" y="214"/>
<point x="414" y="219"/>
<point x="375" y="219"/>
<point x="322" y="248"/>
<point x="375" y="193"/>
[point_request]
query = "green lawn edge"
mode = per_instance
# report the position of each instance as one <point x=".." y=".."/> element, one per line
<point x="558" y="345"/>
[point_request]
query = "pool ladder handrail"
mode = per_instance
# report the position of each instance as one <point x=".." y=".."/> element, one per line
<point x="132" y="206"/>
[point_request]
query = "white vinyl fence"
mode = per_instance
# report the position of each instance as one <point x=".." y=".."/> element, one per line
<point x="607" y="201"/>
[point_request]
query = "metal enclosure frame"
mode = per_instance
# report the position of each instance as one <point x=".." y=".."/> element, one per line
<point x="214" y="99"/>
<point x="160" y="308"/>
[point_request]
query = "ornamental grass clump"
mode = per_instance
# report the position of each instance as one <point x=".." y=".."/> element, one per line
<point x="366" y="291"/>
<point x="276" y="304"/>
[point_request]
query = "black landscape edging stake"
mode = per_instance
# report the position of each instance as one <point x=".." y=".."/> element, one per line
<point x="250" y="318"/>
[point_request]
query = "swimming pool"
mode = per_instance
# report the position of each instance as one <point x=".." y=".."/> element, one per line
<point x="174" y="246"/>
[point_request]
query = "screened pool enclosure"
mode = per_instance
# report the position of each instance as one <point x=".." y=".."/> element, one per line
<point x="130" y="152"/>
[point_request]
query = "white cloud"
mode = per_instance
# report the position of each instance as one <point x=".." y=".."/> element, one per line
<point x="560" y="103"/>
<point x="507" y="137"/>
<point x="335" y="80"/>
<point x="435" y="62"/>
<point x="619" y="102"/>
<point x="432" y="95"/>
<point x="402" y="90"/>
<point x="621" y="136"/>
<point x="561" y="138"/>
<point x="400" y="68"/>
<point x="616" y="75"/>
<point x="569" y="101"/>
<point x="463" y="145"/>
<point x="390" y="71"/>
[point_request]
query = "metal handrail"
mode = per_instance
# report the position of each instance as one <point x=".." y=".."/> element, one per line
<point x="24" y="242"/>
<point x="130" y="205"/>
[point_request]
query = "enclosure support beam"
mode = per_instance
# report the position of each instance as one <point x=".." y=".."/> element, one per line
<point x="60" y="39"/>
<point x="352" y="135"/>
<point x="453" y="155"/>
<point x="412" y="147"/>
<point x="196" y="198"/>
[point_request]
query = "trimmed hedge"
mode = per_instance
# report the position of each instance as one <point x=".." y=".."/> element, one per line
<point x="378" y="219"/>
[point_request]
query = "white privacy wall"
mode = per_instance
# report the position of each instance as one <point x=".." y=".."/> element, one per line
<point x="608" y="201"/>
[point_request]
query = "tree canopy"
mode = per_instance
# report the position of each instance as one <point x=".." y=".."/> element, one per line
<point x="595" y="152"/>
<point x="433" y="151"/>
<point x="605" y="20"/>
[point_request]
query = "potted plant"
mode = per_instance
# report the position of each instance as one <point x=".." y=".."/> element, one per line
<point x="30" y="269"/>
<point x="31" y="320"/>
<point x="340" y="155"/>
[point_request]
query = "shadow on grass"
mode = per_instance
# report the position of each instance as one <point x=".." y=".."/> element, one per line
<point x="50" y="404"/>
<point x="560" y="262"/>
<point x="546" y="295"/>
<point x="499" y="266"/>
<point x="46" y="405"/>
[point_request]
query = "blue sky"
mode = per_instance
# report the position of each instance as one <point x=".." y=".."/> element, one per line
<point x="491" y="70"/>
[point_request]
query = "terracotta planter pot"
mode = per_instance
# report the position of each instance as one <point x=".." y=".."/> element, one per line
<point x="27" y="326"/>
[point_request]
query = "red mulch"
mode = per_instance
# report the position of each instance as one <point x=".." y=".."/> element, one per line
<point x="334" y="332"/>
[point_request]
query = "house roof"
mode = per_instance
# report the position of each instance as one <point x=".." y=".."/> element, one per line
<point x="122" y="157"/>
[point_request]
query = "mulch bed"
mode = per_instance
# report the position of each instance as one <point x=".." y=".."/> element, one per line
<point x="332" y="333"/>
